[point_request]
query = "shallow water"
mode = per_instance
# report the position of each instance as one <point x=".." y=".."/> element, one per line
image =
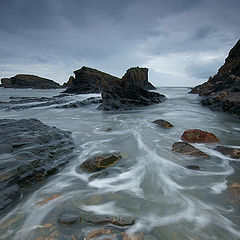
<point x="150" y="182"/>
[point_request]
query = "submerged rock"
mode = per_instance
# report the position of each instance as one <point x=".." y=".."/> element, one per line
<point x="187" y="149"/>
<point x="30" y="151"/>
<point x="98" y="163"/>
<point x="232" y="152"/>
<point x="70" y="216"/>
<point x="222" y="91"/>
<point x="28" y="81"/>
<point x="193" y="167"/>
<point x="199" y="136"/>
<point x="112" y="234"/>
<point x="163" y="123"/>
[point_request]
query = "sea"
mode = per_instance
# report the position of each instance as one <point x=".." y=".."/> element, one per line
<point x="150" y="182"/>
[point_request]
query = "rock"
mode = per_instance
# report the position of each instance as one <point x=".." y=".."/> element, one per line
<point x="86" y="102"/>
<point x="70" y="216"/>
<point x="127" y="97"/>
<point x="222" y="91"/>
<point x="98" y="163"/>
<point x="163" y="123"/>
<point x="232" y="152"/>
<point x="69" y="83"/>
<point x="105" y="219"/>
<point x="199" y="136"/>
<point x="108" y="129"/>
<point x="193" y="167"/>
<point x="187" y="149"/>
<point x="89" y="80"/>
<point x="34" y="152"/>
<point x="112" y="234"/>
<point x="138" y="77"/>
<point x="29" y="81"/>
<point x="101" y="174"/>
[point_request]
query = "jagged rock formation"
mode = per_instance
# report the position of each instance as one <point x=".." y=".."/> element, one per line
<point x="89" y="80"/>
<point x="126" y="94"/>
<point x="222" y="92"/>
<point x="28" y="81"/>
<point x="69" y="83"/>
<point x="138" y="77"/>
<point x="29" y="152"/>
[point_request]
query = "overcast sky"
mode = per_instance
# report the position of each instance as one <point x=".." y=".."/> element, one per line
<point x="182" y="42"/>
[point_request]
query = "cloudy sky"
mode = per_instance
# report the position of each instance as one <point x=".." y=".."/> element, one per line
<point x="182" y="42"/>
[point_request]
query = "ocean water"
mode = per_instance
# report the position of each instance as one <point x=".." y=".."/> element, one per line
<point x="151" y="182"/>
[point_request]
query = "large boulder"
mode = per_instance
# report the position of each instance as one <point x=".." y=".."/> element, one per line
<point x="89" y="80"/>
<point x="28" y="81"/>
<point x="222" y="92"/>
<point x="29" y="152"/>
<point x="199" y="136"/>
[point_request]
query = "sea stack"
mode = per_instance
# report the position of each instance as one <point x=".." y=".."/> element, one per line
<point x="222" y="91"/>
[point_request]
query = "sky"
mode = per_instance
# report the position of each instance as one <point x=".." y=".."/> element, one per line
<point x="182" y="42"/>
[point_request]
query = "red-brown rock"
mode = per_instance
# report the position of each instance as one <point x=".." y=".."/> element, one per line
<point x="199" y="136"/>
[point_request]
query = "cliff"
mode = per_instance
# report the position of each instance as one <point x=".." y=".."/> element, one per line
<point x="28" y="81"/>
<point x="222" y="91"/>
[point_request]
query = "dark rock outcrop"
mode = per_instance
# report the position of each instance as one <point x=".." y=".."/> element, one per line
<point x="232" y="152"/>
<point x="28" y="81"/>
<point x="187" y="149"/>
<point x="69" y="83"/>
<point x="98" y="163"/>
<point x="163" y="123"/>
<point x="89" y="80"/>
<point x="199" y="136"/>
<point x="138" y="77"/>
<point x="30" y="151"/>
<point x="222" y="92"/>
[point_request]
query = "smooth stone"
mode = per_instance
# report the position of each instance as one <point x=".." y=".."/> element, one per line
<point x="232" y="152"/>
<point x="163" y="123"/>
<point x="187" y="149"/>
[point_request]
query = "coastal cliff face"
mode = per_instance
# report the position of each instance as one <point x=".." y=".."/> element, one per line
<point x="222" y="91"/>
<point x="89" y="80"/>
<point x="28" y="81"/>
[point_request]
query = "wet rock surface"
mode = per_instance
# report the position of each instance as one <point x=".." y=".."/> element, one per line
<point x="163" y="123"/>
<point x="29" y="81"/>
<point x="199" y="136"/>
<point x="222" y="91"/>
<point x="30" y="151"/>
<point x="122" y="97"/>
<point x="100" y="162"/>
<point x="232" y="152"/>
<point x="187" y="149"/>
<point x="59" y="101"/>
<point x="193" y="167"/>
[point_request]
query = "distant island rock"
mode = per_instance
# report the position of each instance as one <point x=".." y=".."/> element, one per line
<point x="222" y="91"/>
<point x="29" y="81"/>
<point x="90" y="80"/>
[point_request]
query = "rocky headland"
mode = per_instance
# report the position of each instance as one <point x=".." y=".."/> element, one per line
<point x="29" y="81"/>
<point x="222" y="91"/>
